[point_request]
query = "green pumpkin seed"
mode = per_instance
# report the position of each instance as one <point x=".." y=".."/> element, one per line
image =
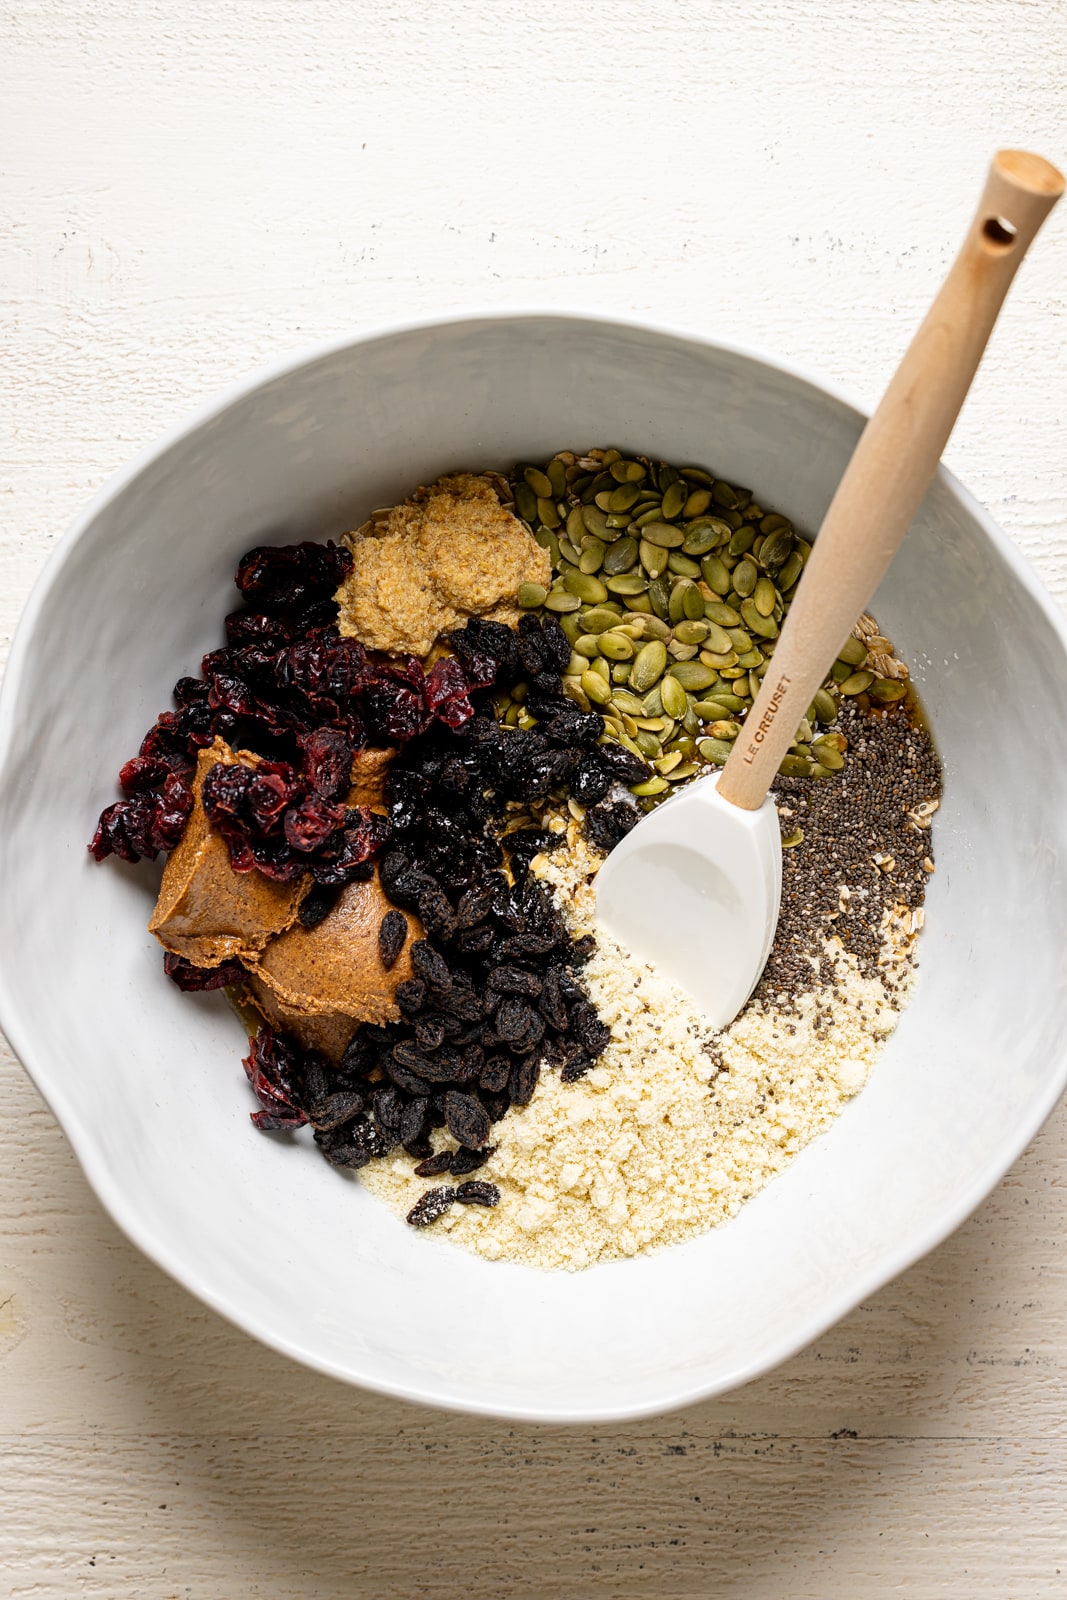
<point x="693" y="675"/>
<point x="723" y="494"/>
<point x="716" y="575"/>
<point x="588" y="644"/>
<point x="628" y="471"/>
<point x="620" y="674"/>
<point x="719" y="660"/>
<point x="840" y="671"/>
<point x="741" y="541"/>
<point x="682" y="566"/>
<point x="732" y="702"/>
<point x="550" y="517"/>
<point x="764" y="596"/>
<point x="886" y="690"/>
<point x="775" y="549"/>
<point x="718" y="639"/>
<point x="596" y="688"/>
<point x="653" y="558"/>
<point x="740" y="640"/>
<point x="627" y="702"/>
<point x="745" y="576"/>
<point x="650" y="786"/>
<point x="673" y="697"/>
<point x="828" y="757"/>
<point x="722" y="615"/>
<point x="624" y="497"/>
<point x="724" y="728"/>
<point x="631" y="583"/>
<point x="835" y="741"/>
<point x="532" y="595"/>
<point x="645" y="519"/>
<point x="575" y="526"/>
<point x="540" y="484"/>
<point x="556" y="474"/>
<point x="698" y="502"/>
<point x="560" y="600"/>
<point x="751" y="659"/>
<point x="525" y="502"/>
<point x="789" y="572"/>
<point x="666" y="765"/>
<point x="691" y="632"/>
<point x="649" y="665"/>
<point x="599" y="618"/>
<point x="572" y="628"/>
<point x="603" y="500"/>
<point x="697" y="475"/>
<point x="659" y="595"/>
<point x="616" y="646"/>
<point x="620" y="556"/>
<point x="716" y="750"/>
<point x="656" y="628"/>
<point x="569" y="553"/>
<point x="700" y="538"/>
<point x="578" y="663"/>
<point x="792" y="838"/>
<point x="587" y="588"/>
<point x="764" y="627"/>
<point x="857" y="682"/>
<point x="592" y="555"/>
<point x="681" y="652"/>
<point x="686" y="770"/>
<point x="711" y="710"/>
<point x="825" y="707"/>
<point x="596" y="523"/>
<point x="854" y="651"/>
<point x="663" y="534"/>
<point x="773" y="522"/>
<point x="675" y="603"/>
<point x="674" y="499"/>
<point x="795" y="767"/>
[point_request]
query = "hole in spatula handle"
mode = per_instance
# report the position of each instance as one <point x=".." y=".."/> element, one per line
<point x="999" y="233"/>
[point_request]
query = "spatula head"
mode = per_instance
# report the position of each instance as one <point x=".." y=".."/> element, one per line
<point x="695" y="889"/>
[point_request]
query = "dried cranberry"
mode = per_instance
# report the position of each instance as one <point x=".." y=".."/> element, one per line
<point x="283" y="577"/>
<point x="196" y="979"/>
<point x="327" y="761"/>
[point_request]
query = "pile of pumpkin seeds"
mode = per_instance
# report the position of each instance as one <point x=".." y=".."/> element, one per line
<point x="672" y="585"/>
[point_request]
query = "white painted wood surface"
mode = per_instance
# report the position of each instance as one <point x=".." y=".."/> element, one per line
<point x="190" y="188"/>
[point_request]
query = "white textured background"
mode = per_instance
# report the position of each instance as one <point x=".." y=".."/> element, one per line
<point x="189" y="187"/>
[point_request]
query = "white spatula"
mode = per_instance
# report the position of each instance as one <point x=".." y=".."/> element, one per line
<point x="703" y="871"/>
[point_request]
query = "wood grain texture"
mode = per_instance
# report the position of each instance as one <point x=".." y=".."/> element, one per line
<point x="190" y="189"/>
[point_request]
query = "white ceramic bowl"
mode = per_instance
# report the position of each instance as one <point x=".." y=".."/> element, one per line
<point x="147" y="1082"/>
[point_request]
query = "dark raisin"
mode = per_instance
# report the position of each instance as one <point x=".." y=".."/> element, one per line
<point x="469" y="1160"/>
<point x="430" y="965"/>
<point x="494" y="1075"/>
<point x="523" y="1080"/>
<point x="550" y="1003"/>
<point x="437" y="915"/>
<point x="391" y="935"/>
<point x="466" y="1119"/>
<point x="514" y="980"/>
<point x="429" y="1034"/>
<point x="513" y="1019"/>
<point x="411" y="996"/>
<point x="335" y="1109"/>
<point x="412" y="1121"/>
<point x="318" y="903"/>
<point x="474" y="1193"/>
<point x="608" y="824"/>
<point x="433" y="1204"/>
<point x="434" y="1166"/>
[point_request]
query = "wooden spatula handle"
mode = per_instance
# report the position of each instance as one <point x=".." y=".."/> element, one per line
<point x="891" y="467"/>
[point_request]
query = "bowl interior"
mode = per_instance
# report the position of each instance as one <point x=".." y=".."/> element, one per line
<point x="148" y="1083"/>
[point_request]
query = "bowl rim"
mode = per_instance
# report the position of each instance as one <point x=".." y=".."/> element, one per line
<point x="18" y="1027"/>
